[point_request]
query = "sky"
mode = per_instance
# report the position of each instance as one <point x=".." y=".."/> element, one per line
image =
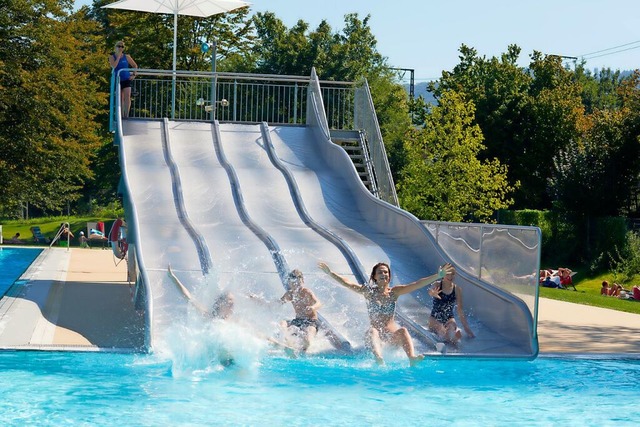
<point x="425" y="35"/>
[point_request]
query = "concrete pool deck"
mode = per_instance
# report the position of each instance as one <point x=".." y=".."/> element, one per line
<point x="79" y="299"/>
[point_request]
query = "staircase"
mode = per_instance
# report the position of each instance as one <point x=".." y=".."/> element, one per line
<point x="353" y="142"/>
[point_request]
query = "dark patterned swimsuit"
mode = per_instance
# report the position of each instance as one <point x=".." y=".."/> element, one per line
<point x="443" y="308"/>
<point x="380" y="304"/>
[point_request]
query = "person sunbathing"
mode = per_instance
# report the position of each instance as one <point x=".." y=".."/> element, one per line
<point x="16" y="239"/>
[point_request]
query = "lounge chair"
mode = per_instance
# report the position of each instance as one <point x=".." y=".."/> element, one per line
<point x="38" y="237"/>
<point x="95" y="235"/>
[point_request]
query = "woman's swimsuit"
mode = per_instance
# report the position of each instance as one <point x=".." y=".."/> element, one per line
<point x="123" y="63"/>
<point x="442" y="309"/>
<point x="380" y="305"/>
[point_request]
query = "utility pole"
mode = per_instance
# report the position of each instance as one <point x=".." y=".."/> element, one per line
<point x="412" y="85"/>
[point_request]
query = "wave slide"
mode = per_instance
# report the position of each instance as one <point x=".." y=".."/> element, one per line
<point x="235" y="207"/>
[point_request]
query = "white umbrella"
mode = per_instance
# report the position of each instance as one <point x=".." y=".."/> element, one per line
<point x="198" y="8"/>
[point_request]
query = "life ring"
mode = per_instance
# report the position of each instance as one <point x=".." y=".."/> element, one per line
<point x="118" y="239"/>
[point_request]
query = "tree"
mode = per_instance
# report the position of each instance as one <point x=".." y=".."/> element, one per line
<point x="339" y="56"/>
<point x="526" y="115"/>
<point x="597" y="176"/>
<point x="600" y="89"/>
<point x="443" y="178"/>
<point x="47" y="106"/>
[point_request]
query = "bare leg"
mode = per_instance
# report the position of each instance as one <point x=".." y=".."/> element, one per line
<point x="126" y="102"/>
<point x="438" y="328"/>
<point x="401" y="337"/>
<point x="373" y="342"/>
<point x="453" y="333"/>
<point x="307" y="334"/>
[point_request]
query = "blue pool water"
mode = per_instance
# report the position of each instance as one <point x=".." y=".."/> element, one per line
<point x="184" y="386"/>
<point x="53" y="389"/>
<point x="13" y="262"/>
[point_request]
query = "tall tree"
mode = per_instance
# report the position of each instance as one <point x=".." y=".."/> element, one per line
<point x="443" y="178"/>
<point x="526" y="115"/>
<point x="597" y="176"/>
<point x="47" y="106"/>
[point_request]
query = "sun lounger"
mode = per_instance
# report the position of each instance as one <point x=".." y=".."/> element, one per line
<point x="38" y="237"/>
<point x="95" y="235"/>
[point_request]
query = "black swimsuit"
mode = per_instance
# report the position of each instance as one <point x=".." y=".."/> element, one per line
<point x="303" y="323"/>
<point x="443" y="308"/>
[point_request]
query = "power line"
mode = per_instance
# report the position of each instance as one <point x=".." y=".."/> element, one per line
<point x="611" y="48"/>
<point x="612" y="53"/>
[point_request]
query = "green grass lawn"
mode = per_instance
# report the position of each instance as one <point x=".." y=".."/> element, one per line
<point x="588" y="293"/>
<point x="49" y="227"/>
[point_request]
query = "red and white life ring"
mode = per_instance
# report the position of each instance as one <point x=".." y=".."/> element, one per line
<point x="118" y="239"/>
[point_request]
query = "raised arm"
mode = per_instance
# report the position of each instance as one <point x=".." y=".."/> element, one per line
<point x="114" y="59"/>
<point x="421" y="283"/>
<point x="343" y="281"/>
<point x="185" y="292"/>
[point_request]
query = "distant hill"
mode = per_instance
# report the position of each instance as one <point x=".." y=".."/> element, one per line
<point x="421" y="90"/>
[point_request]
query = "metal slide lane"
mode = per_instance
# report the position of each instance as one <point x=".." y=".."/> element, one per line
<point x="269" y="203"/>
<point x="245" y="259"/>
<point x="156" y="232"/>
<point x="240" y="262"/>
<point x="376" y="231"/>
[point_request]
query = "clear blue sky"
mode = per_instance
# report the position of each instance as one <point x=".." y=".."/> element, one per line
<point x="425" y="34"/>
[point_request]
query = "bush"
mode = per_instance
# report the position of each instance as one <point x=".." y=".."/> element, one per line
<point x="572" y="241"/>
<point x="625" y="262"/>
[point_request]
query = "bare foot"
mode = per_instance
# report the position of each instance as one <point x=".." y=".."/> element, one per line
<point x="413" y="361"/>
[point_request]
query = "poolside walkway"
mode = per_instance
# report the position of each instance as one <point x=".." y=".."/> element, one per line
<point x="575" y="328"/>
<point x="79" y="299"/>
<point x="76" y="299"/>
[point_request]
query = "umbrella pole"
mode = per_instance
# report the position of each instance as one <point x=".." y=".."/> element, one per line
<point x="173" y="88"/>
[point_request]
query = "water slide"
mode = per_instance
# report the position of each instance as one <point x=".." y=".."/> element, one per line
<point x="235" y="207"/>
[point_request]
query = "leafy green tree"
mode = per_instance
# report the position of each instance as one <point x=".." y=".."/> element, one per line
<point x="591" y="176"/>
<point x="47" y="105"/>
<point x="596" y="176"/>
<point x="599" y="90"/>
<point x="347" y="55"/>
<point x="526" y="115"/>
<point x="443" y="178"/>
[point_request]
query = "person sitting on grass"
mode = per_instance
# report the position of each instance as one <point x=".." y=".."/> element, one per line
<point x="16" y="239"/>
<point x="565" y="276"/>
<point x="615" y="289"/>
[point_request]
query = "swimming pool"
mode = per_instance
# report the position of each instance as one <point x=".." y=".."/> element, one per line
<point x="51" y="388"/>
<point x="182" y="385"/>
<point x="14" y="262"/>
